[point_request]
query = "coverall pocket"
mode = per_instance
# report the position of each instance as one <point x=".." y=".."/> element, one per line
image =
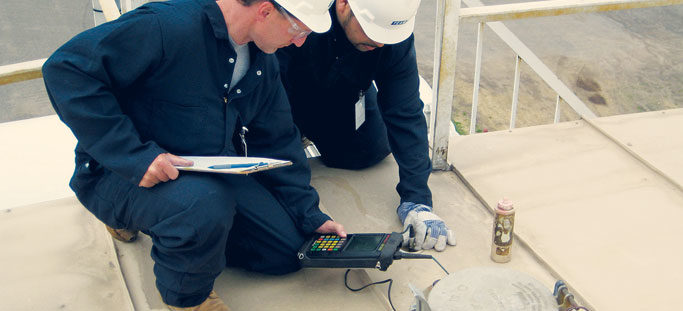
<point x="178" y="127"/>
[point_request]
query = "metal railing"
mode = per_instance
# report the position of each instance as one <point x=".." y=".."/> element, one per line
<point x="21" y="71"/>
<point x="450" y="14"/>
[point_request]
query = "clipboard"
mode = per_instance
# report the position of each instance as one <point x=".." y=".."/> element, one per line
<point x="232" y="165"/>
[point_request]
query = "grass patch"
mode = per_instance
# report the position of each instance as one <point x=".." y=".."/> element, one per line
<point x="460" y="128"/>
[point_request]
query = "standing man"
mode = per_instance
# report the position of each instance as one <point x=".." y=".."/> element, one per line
<point x="334" y="103"/>
<point x="191" y="77"/>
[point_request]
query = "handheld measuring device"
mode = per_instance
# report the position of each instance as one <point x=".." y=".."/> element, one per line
<point x="361" y="250"/>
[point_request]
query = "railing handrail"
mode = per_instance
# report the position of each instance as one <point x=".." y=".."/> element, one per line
<point x="491" y="13"/>
<point x="444" y="66"/>
<point x="33" y="69"/>
<point x="21" y="71"/>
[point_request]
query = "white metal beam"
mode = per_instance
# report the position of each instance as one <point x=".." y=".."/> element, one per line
<point x="21" y="71"/>
<point x="510" y="11"/>
<point x="477" y="78"/>
<point x="110" y="9"/>
<point x="126" y="5"/>
<point x="515" y="92"/>
<point x="557" y="109"/>
<point x="444" y="78"/>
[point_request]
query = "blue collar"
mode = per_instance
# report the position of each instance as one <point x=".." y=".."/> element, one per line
<point x="215" y="16"/>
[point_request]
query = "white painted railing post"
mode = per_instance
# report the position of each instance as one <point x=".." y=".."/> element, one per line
<point x="477" y="77"/>
<point x="446" y="43"/>
<point x="109" y="9"/>
<point x="515" y="92"/>
<point x="126" y="5"/>
<point x="557" y="109"/>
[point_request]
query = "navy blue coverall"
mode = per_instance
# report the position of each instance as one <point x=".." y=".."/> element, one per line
<point x="324" y="79"/>
<point x="156" y="80"/>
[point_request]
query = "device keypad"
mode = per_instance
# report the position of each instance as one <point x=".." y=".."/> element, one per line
<point x="328" y="243"/>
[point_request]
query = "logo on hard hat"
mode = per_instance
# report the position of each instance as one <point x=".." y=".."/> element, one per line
<point x="396" y="23"/>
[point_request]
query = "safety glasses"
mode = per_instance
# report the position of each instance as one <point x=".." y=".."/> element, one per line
<point x="294" y="29"/>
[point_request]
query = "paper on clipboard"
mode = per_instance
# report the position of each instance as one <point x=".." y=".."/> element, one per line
<point x="232" y="165"/>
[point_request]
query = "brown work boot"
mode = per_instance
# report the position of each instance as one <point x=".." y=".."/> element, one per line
<point x="123" y="235"/>
<point x="212" y="303"/>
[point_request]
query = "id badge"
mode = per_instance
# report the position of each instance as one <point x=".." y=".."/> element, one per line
<point x="360" y="110"/>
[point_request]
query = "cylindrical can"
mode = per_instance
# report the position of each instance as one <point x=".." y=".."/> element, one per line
<point x="503" y="224"/>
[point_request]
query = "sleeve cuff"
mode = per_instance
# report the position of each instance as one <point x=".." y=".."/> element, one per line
<point x="145" y="161"/>
<point x="314" y="222"/>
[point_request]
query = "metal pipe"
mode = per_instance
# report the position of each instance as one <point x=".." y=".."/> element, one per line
<point x="110" y="9"/>
<point x="438" y="33"/>
<point x="477" y="77"/>
<point x="515" y="92"/>
<point x="444" y="79"/>
<point x="511" y="11"/>
<point x="126" y="6"/>
<point x="557" y="109"/>
<point x="21" y="71"/>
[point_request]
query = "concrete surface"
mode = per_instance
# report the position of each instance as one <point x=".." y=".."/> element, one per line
<point x="602" y="219"/>
<point x="57" y="256"/>
<point x="366" y="201"/>
<point x="363" y="201"/>
<point x="39" y="159"/>
<point x="654" y="136"/>
<point x="589" y="212"/>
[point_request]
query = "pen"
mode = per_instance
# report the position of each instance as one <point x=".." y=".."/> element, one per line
<point x="237" y="165"/>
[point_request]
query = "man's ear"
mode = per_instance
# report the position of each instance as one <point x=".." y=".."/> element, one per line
<point x="263" y="9"/>
<point x="342" y="7"/>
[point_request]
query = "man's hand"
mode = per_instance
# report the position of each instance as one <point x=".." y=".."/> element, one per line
<point x="430" y="230"/>
<point x="332" y="227"/>
<point x="162" y="169"/>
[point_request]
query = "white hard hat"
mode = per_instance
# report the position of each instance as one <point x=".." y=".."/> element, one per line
<point x="313" y="13"/>
<point x="386" y="21"/>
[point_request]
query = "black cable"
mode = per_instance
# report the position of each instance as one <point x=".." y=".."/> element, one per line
<point x="391" y="281"/>
<point x="442" y="268"/>
<point x="404" y="255"/>
<point x="397" y="255"/>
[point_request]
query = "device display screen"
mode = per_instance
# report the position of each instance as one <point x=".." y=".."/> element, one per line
<point x="364" y="243"/>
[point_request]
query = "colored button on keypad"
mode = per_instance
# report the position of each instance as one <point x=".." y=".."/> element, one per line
<point x="328" y="243"/>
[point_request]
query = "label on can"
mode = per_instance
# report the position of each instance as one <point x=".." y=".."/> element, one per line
<point x="502" y="237"/>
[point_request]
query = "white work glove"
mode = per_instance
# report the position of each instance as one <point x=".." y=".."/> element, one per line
<point x="430" y="230"/>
